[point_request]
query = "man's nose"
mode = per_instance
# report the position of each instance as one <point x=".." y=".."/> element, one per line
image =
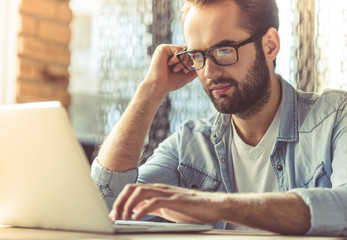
<point x="212" y="70"/>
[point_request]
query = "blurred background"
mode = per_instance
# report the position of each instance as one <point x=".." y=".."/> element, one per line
<point x="92" y="54"/>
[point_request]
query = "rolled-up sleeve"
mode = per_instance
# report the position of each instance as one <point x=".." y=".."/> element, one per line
<point x="111" y="183"/>
<point x="328" y="208"/>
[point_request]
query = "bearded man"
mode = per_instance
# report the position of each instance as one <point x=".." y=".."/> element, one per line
<point x="272" y="158"/>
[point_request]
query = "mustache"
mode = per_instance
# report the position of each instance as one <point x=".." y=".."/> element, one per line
<point x="229" y="81"/>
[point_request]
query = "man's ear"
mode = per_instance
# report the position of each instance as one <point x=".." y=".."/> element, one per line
<point x="271" y="44"/>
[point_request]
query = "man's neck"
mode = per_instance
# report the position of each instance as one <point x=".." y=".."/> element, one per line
<point x="252" y="127"/>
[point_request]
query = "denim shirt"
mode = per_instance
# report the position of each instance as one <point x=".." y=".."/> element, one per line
<point x="309" y="158"/>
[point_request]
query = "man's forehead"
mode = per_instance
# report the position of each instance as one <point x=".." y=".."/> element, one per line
<point x="206" y="26"/>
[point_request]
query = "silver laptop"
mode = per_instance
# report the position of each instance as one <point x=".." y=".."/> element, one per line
<point x="45" y="177"/>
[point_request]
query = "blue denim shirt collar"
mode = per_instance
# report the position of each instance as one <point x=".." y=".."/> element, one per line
<point x="219" y="127"/>
<point x="288" y="130"/>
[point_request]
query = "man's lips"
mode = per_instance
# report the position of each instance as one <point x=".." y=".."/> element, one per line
<point x="221" y="89"/>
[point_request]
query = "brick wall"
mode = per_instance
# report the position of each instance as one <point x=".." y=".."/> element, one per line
<point x="43" y="51"/>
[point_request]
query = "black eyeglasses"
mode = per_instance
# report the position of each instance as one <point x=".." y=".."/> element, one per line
<point x="224" y="56"/>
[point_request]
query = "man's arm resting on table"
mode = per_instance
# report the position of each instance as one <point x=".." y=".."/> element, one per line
<point x="284" y="213"/>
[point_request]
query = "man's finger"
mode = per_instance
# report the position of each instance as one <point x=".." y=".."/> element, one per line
<point x="118" y="205"/>
<point x="138" y="195"/>
<point x="149" y="207"/>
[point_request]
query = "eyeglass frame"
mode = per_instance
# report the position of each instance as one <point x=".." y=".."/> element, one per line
<point x="251" y="39"/>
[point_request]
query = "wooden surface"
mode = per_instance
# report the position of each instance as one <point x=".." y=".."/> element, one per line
<point x="22" y="233"/>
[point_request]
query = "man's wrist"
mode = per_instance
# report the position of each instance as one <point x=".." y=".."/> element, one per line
<point x="153" y="90"/>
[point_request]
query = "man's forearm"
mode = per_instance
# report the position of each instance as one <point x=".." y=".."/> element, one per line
<point x="122" y="148"/>
<point x="284" y="213"/>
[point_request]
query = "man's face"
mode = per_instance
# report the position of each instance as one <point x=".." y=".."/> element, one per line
<point x="240" y="88"/>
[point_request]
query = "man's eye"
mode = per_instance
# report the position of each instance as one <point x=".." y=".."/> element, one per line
<point x="224" y="51"/>
<point x="196" y="56"/>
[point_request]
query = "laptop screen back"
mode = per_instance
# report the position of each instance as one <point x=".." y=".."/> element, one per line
<point x="44" y="174"/>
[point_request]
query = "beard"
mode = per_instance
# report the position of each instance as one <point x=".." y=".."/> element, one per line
<point x="250" y="95"/>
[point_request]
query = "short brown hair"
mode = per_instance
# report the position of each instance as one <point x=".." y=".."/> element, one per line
<point x="255" y="15"/>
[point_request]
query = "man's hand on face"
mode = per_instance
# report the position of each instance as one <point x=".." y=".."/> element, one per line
<point x="166" y="72"/>
<point x="172" y="203"/>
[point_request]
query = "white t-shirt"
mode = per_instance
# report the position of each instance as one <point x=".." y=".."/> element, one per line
<point x="252" y="167"/>
<point x="253" y="170"/>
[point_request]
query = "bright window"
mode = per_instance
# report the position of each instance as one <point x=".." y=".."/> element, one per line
<point x="8" y="51"/>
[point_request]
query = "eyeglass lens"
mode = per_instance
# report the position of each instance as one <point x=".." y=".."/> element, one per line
<point x="223" y="56"/>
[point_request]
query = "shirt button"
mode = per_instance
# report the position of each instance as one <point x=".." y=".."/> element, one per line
<point x="223" y="160"/>
<point x="279" y="168"/>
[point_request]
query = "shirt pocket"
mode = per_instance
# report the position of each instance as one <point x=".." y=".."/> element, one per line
<point x="195" y="178"/>
<point x="317" y="178"/>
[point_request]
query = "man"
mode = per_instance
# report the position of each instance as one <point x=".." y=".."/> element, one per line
<point x="273" y="158"/>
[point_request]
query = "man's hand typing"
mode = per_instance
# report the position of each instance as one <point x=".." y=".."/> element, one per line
<point x="256" y="210"/>
<point x="173" y="203"/>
